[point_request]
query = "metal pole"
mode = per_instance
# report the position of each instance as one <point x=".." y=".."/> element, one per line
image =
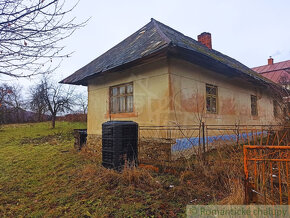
<point x="246" y="173"/>
<point x="203" y="139"/>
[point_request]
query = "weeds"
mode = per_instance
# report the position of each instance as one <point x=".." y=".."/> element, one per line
<point x="42" y="175"/>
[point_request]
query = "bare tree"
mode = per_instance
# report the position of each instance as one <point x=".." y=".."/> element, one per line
<point x="30" y="32"/>
<point x="37" y="103"/>
<point x="57" y="98"/>
<point x="281" y="100"/>
<point x="284" y="81"/>
<point x="197" y="113"/>
<point x="16" y="103"/>
<point x="82" y="102"/>
<point x="12" y="104"/>
<point x="5" y="92"/>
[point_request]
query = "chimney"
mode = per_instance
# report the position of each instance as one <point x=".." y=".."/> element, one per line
<point x="205" y="38"/>
<point x="270" y="61"/>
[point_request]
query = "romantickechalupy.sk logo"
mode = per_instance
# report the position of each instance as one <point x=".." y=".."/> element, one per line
<point x="237" y="210"/>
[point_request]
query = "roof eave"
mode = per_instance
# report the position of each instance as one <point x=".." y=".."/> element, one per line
<point x="145" y="59"/>
<point x="215" y="65"/>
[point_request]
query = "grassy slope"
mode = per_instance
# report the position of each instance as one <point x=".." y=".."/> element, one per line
<point x="41" y="174"/>
<point x="35" y="173"/>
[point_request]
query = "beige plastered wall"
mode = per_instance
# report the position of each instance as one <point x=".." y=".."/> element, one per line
<point x="170" y="91"/>
<point x="188" y="88"/>
<point x="151" y="96"/>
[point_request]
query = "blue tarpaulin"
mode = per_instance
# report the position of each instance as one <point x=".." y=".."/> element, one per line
<point x="187" y="143"/>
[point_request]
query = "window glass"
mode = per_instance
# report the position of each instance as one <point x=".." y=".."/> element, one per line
<point x="213" y="105"/>
<point x="211" y="98"/>
<point x="254" y="109"/>
<point x="122" y="90"/>
<point x="130" y="88"/>
<point x="122" y="104"/>
<point x="114" y="105"/>
<point x="207" y="103"/>
<point x="130" y="103"/>
<point x="114" y="91"/>
<point x="121" y="98"/>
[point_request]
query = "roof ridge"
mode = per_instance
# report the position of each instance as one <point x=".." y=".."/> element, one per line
<point x="157" y="38"/>
<point x="161" y="33"/>
<point x="273" y="64"/>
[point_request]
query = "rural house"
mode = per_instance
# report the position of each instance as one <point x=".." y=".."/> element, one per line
<point x="277" y="72"/>
<point x="158" y="76"/>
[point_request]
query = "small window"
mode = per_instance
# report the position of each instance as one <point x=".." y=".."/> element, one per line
<point x="121" y="98"/>
<point x="275" y="108"/>
<point x="254" y="106"/>
<point x="211" y="98"/>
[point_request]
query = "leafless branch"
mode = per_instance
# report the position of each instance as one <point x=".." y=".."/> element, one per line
<point x="53" y="97"/>
<point x="30" y="35"/>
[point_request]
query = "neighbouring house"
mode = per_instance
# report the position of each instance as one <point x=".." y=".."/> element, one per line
<point x="158" y="76"/>
<point x="277" y="72"/>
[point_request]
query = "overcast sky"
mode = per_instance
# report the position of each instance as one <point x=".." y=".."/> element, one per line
<point x="247" y="30"/>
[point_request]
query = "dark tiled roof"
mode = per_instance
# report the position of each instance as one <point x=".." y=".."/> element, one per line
<point x="151" y="39"/>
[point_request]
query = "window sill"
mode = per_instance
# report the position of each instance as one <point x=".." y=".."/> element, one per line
<point x="121" y="115"/>
<point x="255" y="117"/>
<point x="208" y="112"/>
<point x="212" y="115"/>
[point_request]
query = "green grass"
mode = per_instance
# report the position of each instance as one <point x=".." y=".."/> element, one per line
<point x="35" y="176"/>
<point x="42" y="175"/>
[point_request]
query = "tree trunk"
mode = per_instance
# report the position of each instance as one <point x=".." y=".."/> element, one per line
<point x="53" y="121"/>
<point x="17" y="116"/>
<point x="39" y="116"/>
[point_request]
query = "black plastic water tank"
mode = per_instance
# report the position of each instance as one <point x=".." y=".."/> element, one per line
<point x="119" y="143"/>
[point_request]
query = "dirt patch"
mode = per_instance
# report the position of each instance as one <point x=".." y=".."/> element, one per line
<point x="49" y="139"/>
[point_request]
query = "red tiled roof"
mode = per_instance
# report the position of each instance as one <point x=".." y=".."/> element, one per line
<point x="275" y="72"/>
